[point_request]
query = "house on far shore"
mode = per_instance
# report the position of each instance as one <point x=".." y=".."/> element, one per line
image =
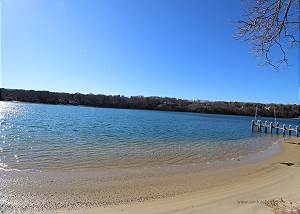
<point x="9" y="97"/>
<point x="73" y="102"/>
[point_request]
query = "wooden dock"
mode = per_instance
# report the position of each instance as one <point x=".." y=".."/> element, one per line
<point x="270" y="127"/>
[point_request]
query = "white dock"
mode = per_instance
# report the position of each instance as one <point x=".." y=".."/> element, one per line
<point x="270" y="127"/>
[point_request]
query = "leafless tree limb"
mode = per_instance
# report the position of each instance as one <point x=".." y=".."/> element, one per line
<point x="269" y="25"/>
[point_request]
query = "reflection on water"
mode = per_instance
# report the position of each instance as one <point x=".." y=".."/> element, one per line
<point x="36" y="136"/>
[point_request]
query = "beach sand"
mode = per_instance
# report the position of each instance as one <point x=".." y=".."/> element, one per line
<point x="269" y="184"/>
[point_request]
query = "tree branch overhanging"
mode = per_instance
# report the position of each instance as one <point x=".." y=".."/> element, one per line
<point x="269" y="25"/>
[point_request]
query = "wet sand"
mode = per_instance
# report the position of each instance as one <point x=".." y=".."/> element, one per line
<point x="241" y="186"/>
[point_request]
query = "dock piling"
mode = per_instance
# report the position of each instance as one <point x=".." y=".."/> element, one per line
<point x="271" y="128"/>
<point x="252" y="125"/>
<point x="266" y="126"/>
<point x="290" y="129"/>
<point x="283" y="129"/>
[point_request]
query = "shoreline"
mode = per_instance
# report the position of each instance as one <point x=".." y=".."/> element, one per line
<point x="241" y="159"/>
<point x="269" y="186"/>
<point x="159" y="189"/>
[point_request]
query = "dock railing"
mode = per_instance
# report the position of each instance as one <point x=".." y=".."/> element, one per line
<point x="269" y="127"/>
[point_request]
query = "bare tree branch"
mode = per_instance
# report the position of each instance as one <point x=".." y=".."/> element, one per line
<point x="269" y="25"/>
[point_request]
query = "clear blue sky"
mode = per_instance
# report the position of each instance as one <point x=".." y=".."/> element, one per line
<point x="174" y="48"/>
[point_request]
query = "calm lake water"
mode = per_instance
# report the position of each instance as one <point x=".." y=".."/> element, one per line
<point x="49" y="137"/>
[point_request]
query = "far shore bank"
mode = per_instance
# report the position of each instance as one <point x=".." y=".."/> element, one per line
<point x="151" y="103"/>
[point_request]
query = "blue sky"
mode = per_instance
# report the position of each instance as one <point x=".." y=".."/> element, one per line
<point x="174" y="48"/>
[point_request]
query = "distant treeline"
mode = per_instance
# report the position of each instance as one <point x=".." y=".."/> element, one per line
<point x="153" y="103"/>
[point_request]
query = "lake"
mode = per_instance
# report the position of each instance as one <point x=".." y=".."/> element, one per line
<point x="57" y="137"/>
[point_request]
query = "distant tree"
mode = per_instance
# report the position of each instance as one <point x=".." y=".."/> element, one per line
<point x="270" y="25"/>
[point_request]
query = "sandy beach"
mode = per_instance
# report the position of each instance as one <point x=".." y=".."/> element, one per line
<point x="270" y="186"/>
<point x="267" y="183"/>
